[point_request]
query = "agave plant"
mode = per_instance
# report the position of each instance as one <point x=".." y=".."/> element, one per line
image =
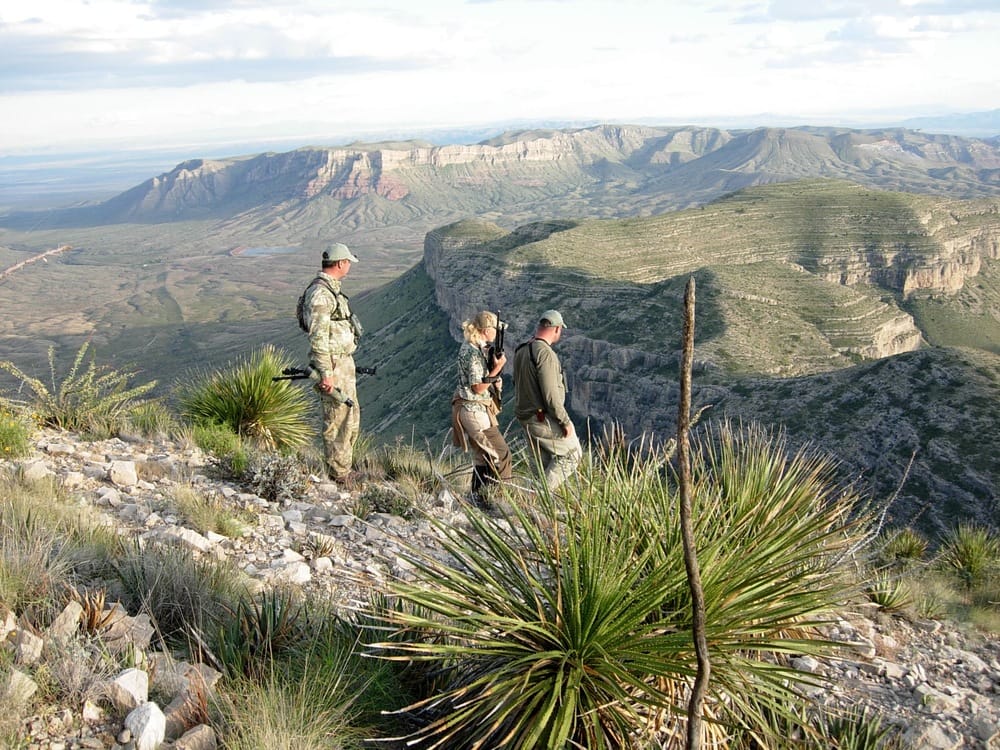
<point x="567" y="624"/>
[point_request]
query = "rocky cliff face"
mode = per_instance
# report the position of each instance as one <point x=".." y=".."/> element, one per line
<point x="954" y="260"/>
<point x="771" y="335"/>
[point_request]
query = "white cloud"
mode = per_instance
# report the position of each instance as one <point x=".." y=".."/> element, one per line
<point x="120" y="70"/>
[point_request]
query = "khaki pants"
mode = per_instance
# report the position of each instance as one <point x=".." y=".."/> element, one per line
<point x="558" y="455"/>
<point x="491" y="457"/>
<point x="341" y="423"/>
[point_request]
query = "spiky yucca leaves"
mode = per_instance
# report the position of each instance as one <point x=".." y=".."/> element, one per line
<point x="903" y="549"/>
<point x="972" y="552"/>
<point x="258" y="630"/>
<point x="88" y="399"/>
<point x="243" y="397"/>
<point x="569" y="625"/>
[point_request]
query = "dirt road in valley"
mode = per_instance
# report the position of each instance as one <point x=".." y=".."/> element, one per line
<point x="11" y="270"/>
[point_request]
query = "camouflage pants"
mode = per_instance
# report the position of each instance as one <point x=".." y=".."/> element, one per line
<point x="557" y="455"/>
<point x="340" y="421"/>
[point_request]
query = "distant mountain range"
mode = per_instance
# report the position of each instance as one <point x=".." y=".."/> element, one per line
<point x="820" y="253"/>
<point x="604" y="170"/>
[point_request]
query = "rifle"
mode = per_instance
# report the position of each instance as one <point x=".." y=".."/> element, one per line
<point x="311" y="373"/>
<point x="493" y="353"/>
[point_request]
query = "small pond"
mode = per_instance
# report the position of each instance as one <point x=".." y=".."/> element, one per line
<point x="251" y="252"/>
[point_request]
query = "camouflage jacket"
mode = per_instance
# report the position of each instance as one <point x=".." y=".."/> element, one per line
<point x="472" y="368"/>
<point x="331" y="333"/>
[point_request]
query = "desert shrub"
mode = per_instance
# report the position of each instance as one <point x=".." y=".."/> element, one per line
<point x="297" y="669"/>
<point x="224" y="446"/>
<point x="383" y="498"/>
<point x="242" y="396"/>
<point x="275" y="477"/>
<point x="89" y="399"/>
<point x="271" y="712"/>
<point x="206" y="514"/>
<point x="568" y="623"/>
<point x="46" y="544"/>
<point x="15" y="435"/>
<point x="33" y="569"/>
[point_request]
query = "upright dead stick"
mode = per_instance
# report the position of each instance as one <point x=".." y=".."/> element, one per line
<point x="687" y="528"/>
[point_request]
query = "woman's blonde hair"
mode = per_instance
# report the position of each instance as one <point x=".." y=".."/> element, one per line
<point x="473" y="329"/>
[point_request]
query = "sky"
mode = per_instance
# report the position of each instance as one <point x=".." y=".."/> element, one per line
<point x="78" y="74"/>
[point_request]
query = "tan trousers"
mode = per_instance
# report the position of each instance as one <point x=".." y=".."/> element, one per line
<point x="489" y="449"/>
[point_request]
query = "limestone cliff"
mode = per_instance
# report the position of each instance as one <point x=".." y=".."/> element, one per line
<point x="797" y="303"/>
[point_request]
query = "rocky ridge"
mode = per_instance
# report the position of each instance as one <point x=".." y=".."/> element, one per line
<point x="939" y="684"/>
<point x="616" y="169"/>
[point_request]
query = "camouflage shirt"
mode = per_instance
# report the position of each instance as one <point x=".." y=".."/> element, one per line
<point x="472" y="368"/>
<point x="331" y="334"/>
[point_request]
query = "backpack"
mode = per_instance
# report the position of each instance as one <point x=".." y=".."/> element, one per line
<point x="303" y="313"/>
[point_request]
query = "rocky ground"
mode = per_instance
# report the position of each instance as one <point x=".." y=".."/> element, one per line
<point x="939" y="683"/>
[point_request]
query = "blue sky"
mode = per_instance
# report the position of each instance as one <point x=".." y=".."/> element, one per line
<point x="80" y="74"/>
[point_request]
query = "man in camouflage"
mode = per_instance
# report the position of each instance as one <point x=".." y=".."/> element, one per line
<point x="333" y="337"/>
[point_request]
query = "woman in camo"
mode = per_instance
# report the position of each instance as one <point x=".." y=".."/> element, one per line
<point x="475" y="405"/>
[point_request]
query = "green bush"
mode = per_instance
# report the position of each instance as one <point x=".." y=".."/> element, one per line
<point x="15" y="436"/>
<point x="224" y="445"/>
<point x="569" y="624"/>
<point x="206" y="514"/>
<point x="242" y="396"/>
<point x="89" y="399"/>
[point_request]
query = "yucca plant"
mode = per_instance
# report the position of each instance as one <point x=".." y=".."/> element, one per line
<point x="258" y="630"/>
<point x="87" y="399"/>
<point x="567" y="624"/>
<point x="243" y="397"/>
<point x="971" y="552"/>
<point x="903" y="548"/>
<point x="856" y="729"/>
<point x="888" y="591"/>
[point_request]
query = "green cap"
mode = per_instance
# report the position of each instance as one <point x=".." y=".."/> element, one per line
<point x="553" y="317"/>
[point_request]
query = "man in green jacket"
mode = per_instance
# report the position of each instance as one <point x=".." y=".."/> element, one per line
<point x="539" y="404"/>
